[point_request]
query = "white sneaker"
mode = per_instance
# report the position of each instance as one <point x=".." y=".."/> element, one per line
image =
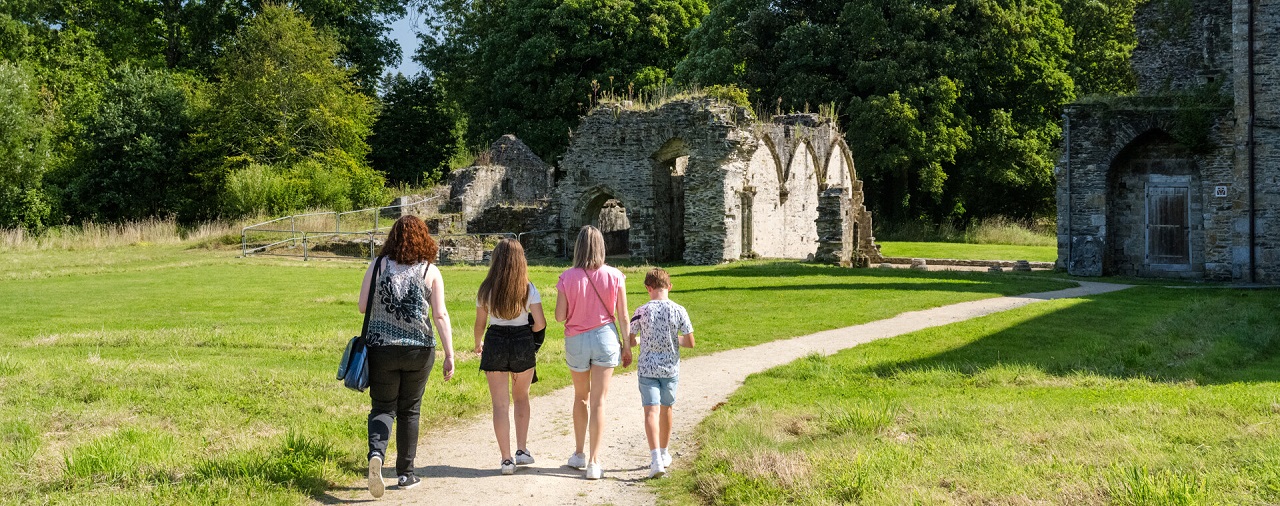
<point x="594" y="472"/>
<point x="656" y="469"/>
<point x="523" y="458"/>
<point x="376" y="487"/>
<point x="578" y="461"/>
<point x="666" y="459"/>
<point x="508" y="467"/>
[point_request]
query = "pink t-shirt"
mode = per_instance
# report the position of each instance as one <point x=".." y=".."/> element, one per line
<point x="585" y="310"/>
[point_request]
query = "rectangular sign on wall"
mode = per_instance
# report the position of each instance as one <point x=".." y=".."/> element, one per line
<point x="1219" y="191"/>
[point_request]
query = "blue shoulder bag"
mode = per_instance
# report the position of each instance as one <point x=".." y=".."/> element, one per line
<point x="353" y="369"/>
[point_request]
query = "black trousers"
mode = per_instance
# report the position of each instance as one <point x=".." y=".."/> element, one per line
<point x="397" y="378"/>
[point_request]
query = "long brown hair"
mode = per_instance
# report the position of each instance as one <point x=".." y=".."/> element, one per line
<point x="409" y="242"/>
<point x="505" y="290"/>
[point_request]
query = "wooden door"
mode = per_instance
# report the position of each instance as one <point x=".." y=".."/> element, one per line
<point x="1168" y="226"/>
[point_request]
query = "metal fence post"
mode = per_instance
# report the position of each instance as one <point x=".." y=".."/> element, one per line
<point x="304" y="247"/>
<point x="244" y="243"/>
<point x="337" y="223"/>
<point x="371" y="246"/>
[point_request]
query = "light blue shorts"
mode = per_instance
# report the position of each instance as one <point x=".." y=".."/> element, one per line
<point x="654" y="391"/>
<point x="598" y="347"/>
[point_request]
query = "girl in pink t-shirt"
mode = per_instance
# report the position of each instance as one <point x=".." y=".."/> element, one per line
<point x="589" y="300"/>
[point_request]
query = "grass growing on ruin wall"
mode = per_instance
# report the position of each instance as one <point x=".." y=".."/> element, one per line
<point x="1146" y="396"/>
<point x="173" y="373"/>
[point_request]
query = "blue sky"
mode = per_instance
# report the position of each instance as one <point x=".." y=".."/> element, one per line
<point x="403" y="30"/>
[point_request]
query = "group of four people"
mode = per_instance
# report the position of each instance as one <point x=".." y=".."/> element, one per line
<point x="591" y="301"/>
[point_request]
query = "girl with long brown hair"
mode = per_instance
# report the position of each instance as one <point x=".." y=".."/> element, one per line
<point x="402" y="348"/>
<point x="508" y="302"/>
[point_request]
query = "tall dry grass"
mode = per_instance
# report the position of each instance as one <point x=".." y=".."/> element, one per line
<point x="997" y="230"/>
<point x="104" y="235"/>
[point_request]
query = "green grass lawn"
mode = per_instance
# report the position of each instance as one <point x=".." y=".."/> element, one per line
<point x="1152" y="396"/>
<point x="965" y="251"/>
<point x="166" y="374"/>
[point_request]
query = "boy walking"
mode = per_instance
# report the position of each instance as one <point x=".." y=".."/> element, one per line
<point x="663" y="327"/>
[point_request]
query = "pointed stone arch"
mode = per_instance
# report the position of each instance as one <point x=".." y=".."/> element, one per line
<point x="838" y="169"/>
<point x="1153" y="188"/>
<point x="799" y="233"/>
<point x="760" y="203"/>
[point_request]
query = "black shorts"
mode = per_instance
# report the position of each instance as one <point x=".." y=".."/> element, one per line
<point x="508" y="349"/>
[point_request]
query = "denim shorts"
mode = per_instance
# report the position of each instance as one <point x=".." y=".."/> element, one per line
<point x="654" y="391"/>
<point x="598" y="347"/>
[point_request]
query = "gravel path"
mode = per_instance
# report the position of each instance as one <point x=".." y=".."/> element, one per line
<point x="460" y="465"/>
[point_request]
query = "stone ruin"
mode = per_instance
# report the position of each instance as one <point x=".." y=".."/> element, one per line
<point x="1180" y="180"/>
<point x="697" y="181"/>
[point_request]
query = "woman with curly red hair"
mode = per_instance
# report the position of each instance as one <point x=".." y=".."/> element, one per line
<point x="402" y="348"/>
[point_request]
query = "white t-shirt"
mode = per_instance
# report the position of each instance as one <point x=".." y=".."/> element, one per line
<point x="522" y="318"/>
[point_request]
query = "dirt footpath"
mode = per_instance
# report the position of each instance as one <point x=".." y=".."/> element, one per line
<point x="460" y="465"/>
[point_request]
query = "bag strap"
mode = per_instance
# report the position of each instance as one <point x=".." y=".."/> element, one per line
<point x="612" y="318"/>
<point x="368" y="303"/>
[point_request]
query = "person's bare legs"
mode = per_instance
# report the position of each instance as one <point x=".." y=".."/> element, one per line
<point x="501" y="399"/>
<point x="581" y="395"/>
<point x="520" y="397"/>
<point x="664" y="425"/>
<point x="599" y="389"/>
<point x="651" y="426"/>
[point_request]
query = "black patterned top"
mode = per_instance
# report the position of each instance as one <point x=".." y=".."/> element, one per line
<point x="401" y="313"/>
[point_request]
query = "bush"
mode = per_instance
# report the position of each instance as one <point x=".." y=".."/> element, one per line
<point x="729" y="93"/>
<point x="331" y="181"/>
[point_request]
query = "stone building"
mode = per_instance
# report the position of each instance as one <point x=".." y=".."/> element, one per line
<point x="704" y="182"/>
<point x="696" y="180"/>
<point x="1182" y="179"/>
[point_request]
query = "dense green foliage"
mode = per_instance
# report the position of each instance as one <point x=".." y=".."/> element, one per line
<point x="418" y="132"/>
<point x="129" y="164"/>
<point x="1104" y="39"/>
<point x="950" y="107"/>
<point x="1149" y="396"/>
<point x="209" y="108"/>
<point x="286" y="127"/>
<point x="24" y="148"/>
<point x="531" y="67"/>
<point x="137" y="109"/>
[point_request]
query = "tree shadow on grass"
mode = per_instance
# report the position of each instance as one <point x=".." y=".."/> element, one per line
<point x="1160" y="334"/>
<point x="990" y="288"/>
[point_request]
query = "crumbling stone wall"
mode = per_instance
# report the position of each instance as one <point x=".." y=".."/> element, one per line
<point x="704" y="182"/>
<point x="509" y="173"/>
<point x="1182" y="44"/>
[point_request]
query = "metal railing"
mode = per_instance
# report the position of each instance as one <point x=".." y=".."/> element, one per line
<point x="297" y="234"/>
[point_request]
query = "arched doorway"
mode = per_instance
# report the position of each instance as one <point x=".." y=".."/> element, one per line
<point x="608" y="214"/>
<point x="669" y="165"/>
<point x="1153" y="194"/>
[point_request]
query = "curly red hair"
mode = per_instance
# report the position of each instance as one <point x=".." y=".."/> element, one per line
<point x="410" y="242"/>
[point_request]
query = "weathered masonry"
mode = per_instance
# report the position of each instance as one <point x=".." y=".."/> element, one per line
<point x="1183" y="179"/>
<point x="698" y="181"/>
<point x="703" y="182"/>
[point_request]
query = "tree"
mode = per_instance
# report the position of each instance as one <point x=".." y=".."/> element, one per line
<point x="129" y="164"/>
<point x="417" y="133"/>
<point x="1104" y="40"/>
<point x="282" y="101"/>
<point x="950" y="106"/>
<point x="527" y="66"/>
<point x="24" y="149"/>
<point x="192" y="34"/>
